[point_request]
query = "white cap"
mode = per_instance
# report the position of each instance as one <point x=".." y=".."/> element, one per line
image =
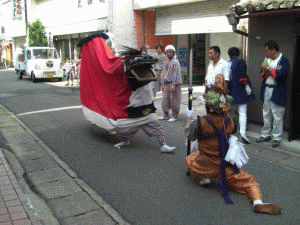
<point x="170" y="47"/>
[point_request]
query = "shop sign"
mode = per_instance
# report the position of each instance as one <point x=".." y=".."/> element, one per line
<point x="89" y="2"/>
<point x="183" y="56"/>
<point x="17" y="9"/>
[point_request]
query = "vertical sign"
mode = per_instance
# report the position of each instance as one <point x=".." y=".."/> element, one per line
<point x="50" y="40"/>
<point x="183" y="56"/>
<point x="17" y="9"/>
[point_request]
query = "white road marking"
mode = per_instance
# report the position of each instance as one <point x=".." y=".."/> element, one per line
<point x="50" y="110"/>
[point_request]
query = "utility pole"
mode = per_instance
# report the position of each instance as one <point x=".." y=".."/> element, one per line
<point x="26" y="22"/>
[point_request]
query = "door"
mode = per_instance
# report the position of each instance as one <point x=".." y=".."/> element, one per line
<point x="294" y="126"/>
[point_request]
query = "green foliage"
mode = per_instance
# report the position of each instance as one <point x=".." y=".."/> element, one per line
<point x="217" y="100"/>
<point x="37" y="34"/>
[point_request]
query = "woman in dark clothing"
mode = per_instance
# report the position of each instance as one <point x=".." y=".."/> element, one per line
<point x="240" y="89"/>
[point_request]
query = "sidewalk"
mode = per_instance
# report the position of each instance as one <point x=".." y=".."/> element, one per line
<point x="53" y="190"/>
<point x="13" y="208"/>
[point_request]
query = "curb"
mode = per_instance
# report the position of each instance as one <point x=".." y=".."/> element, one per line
<point x="43" y="210"/>
<point x="78" y="186"/>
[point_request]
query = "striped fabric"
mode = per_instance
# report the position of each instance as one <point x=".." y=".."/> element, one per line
<point x="151" y="129"/>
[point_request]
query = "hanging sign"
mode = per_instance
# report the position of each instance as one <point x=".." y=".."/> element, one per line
<point x="17" y="9"/>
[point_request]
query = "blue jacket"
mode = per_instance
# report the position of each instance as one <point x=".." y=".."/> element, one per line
<point x="279" y="95"/>
<point x="236" y="89"/>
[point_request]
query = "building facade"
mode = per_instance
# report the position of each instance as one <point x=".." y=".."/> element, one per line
<point x="277" y="21"/>
<point x="65" y="22"/>
<point x="187" y="24"/>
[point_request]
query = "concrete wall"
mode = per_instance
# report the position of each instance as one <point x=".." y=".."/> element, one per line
<point x="282" y="29"/>
<point x="225" y="41"/>
<point x="121" y="21"/>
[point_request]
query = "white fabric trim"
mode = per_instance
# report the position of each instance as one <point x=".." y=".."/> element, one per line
<point x="142" y="96"/>
<point x="113" y="125"/>
<point x="273" y="64"/>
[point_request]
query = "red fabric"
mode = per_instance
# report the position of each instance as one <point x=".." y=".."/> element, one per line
<point x="103" y="85"/>
<point x="274" y="73"/>
<point x="244" y="80"/>
<point x="264" y="74"/>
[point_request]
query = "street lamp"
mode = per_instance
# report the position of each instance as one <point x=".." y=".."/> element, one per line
<point x="234" y="21"/>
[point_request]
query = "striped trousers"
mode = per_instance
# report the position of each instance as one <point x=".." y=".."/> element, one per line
<point x="171" y="100"/>
<point x="151" y="129"/>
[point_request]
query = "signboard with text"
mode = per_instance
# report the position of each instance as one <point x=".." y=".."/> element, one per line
<point x="17" y="9"/>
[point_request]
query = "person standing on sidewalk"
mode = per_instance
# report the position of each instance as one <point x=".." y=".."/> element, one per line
<point x="216" y="66"/>
<point x="158" y="67"/>
<point x="70" y="70"/>
<point x="171" y="86"/>
<point x="240" y="89"/>
<point x="275" y="70"/>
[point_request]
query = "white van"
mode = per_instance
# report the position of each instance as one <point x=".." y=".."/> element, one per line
<point x="39" y="63"/>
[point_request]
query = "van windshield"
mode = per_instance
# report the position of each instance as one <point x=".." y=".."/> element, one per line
<point x="45" y="54"/>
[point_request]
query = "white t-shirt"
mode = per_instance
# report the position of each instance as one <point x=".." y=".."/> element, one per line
<point x="273" y="64"/>
<point x="220" y="68"/>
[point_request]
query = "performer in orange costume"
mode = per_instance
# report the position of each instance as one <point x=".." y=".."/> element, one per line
<point x="209" y="161"/>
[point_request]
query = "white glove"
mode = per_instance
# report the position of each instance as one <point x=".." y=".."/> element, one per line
<point x="248" y="89"/>
<point x="189" y="113"/>
<point x="236" y="153"/>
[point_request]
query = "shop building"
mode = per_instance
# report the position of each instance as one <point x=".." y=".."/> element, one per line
<point x="66" y="22"/>
<point x="187" y="24"/>
<point x="282" y="26"/>
<point x="5" y="41"/>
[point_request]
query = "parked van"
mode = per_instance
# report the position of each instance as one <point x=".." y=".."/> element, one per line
<point x="39" y="63"/>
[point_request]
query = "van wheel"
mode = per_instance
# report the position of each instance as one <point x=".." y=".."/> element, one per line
<point x="20" y="75"/>
<point x="33" y="77"/>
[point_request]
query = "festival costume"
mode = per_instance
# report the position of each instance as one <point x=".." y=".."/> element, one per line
<point x="212" y="132"/>
<point x="116" y="92"/>
<point x="171" y="77"/>
<point x="207" y="162"/>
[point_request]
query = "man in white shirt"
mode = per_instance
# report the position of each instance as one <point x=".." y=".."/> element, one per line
<point x="215" y="67"/>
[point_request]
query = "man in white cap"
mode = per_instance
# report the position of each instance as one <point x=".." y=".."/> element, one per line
<point x="171" y="85"/>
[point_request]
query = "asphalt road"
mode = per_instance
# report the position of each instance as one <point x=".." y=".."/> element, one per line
<point x="142" y="184"/>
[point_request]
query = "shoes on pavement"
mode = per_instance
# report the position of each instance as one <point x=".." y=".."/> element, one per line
<point x="167" y="149"/>
<point x="275" y="143"/>
<point x="121" y="144"/>
<point x="67" y="84"/>
<point x="172" y="119"/>
<point x="246" y="140"/>
<point x="263" y="139"/>
<point x="204" y="181"/>
<point x="269" y="208"/>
